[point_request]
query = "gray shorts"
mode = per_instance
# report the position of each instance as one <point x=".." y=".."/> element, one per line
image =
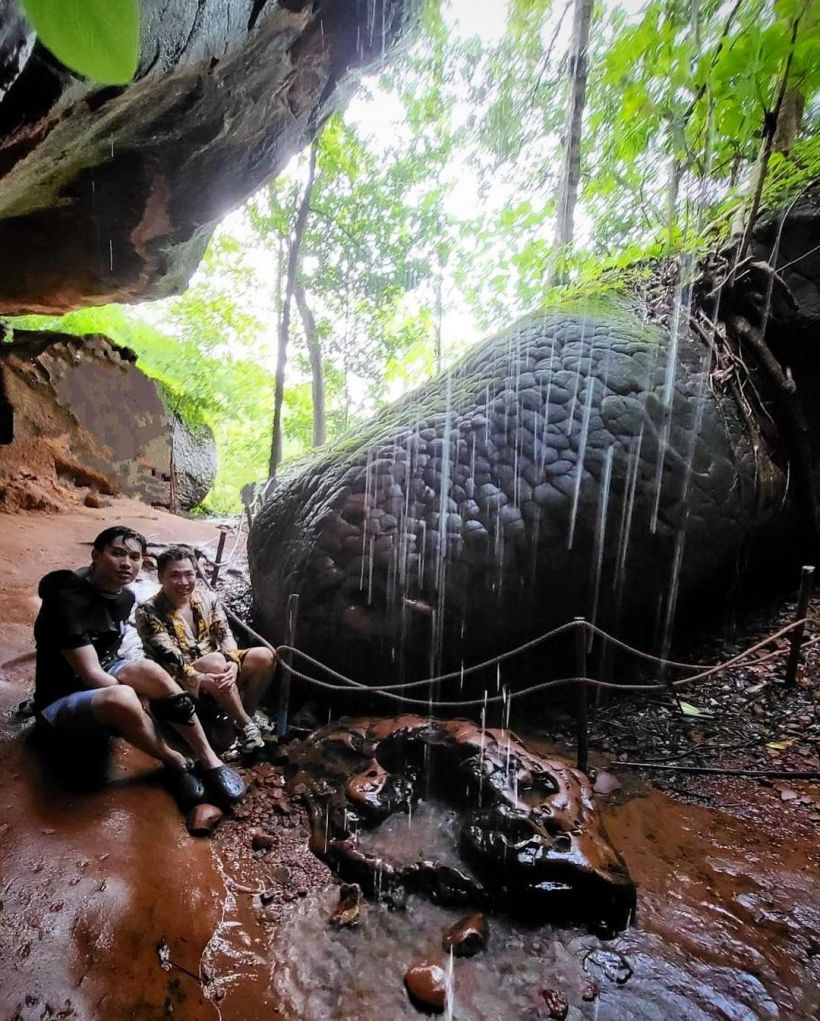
<point x="74" y="712"/>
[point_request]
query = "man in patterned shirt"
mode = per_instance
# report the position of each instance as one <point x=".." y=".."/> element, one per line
<point x="185" y="630"/>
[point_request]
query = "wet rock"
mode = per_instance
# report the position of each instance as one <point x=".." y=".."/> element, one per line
<point x="262" y="841"/>
<point x="467" y="936"/>
<point x="612" y="964"/>
<point x="555" y="1004"/>
<point x="589" y="990"/>
<point x="427" y="985"/>
<point x="281" y="874"/>
<point x="94" y="500"/>
<point x="348" y="911"/>
<point x="606" y="783"/>
<point x="203" y="820"/>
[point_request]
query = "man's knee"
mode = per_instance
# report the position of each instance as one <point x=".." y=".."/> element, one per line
<point x="146" y="674"/>
<point x="211" y="663"/>
<point x="177" y="708"/>
<point x="116" y="706"/>
<point x="260" y="658"/>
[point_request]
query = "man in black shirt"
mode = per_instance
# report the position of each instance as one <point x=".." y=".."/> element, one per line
<point x="83" y="684"/>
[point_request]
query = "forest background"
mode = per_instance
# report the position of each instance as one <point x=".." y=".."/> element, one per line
<point x="511" y="155"/>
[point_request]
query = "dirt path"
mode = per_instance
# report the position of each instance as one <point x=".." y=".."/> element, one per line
<point x="90" y="882"/>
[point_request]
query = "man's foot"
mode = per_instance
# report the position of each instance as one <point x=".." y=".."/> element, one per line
<point x="248" y="741"/>
<point x="224" y="784"/>
<point x="186" y="789"/>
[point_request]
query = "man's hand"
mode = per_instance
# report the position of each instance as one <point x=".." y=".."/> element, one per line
<point x="223" y="682"/>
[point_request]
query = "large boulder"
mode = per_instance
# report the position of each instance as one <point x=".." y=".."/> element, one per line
<point x="110" y="194"/>
<point x="79" y="410"/>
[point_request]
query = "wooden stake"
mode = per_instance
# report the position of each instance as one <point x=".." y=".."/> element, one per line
<point x="806" y="585"/>
<point x="581" y="719"/>
<point x="220" y="549"/>
<point x="283" y="705"/>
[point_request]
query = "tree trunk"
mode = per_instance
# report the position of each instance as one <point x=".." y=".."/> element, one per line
<point x="571" y="169"/>
<point x="770" y="121"/>
<point x="284" y="320"/>
<point x="316" y="371"/>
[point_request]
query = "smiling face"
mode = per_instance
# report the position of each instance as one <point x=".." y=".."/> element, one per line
<point x="117" y="564"/>
<point x="178" y="581"/>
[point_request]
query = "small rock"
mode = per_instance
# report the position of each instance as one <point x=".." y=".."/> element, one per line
<point x="262" y="841"/>
<point x="281" y="874"/>
<point x="589" y="990"/>
<point x="788" y="795"/>
<point x="426" y="983"/>
<point x="203" y="820"/>
<point x="606" y="783"/>
<point x="348" y="910"/>
<point x="467" y="936"/>
<point x="555" y="1003"/>
<point x="93" y="499"/>
<point x="614" y="965"/>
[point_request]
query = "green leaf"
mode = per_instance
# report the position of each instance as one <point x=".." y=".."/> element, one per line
<point x="98" y="39"/>
<point x="691" y="710"/>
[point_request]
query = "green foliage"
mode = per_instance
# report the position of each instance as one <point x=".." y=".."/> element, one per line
<point x="98" y="39"/>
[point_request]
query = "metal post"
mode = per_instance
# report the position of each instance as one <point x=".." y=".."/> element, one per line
<point x="581" y="706"/>
<point x="220" y="549"/>
<point x="806" y="585"/>
<point x="284" y="685"/>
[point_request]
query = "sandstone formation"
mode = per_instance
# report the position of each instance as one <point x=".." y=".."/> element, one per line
<point x="590" y="460"/>
<point x="528" y="834"/>
<point x="110" y="194"/>
<point x="81" y="412"/>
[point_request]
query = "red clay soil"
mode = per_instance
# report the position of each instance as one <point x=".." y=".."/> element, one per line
<point x="90" y="883"/>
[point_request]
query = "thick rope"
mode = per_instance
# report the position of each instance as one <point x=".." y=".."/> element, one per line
<point x="389" y="690"/>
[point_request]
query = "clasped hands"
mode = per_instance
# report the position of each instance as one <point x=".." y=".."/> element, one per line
<point x="221" y="682"/>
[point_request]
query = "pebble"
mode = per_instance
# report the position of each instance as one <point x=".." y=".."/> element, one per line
<point x="467" y="936"/>
<point x="426" y="984"/>
<point x="555" y="1003"/>
<point x="203" y="819"/>
<point x="589" y="990"/>
<point x="606" y="783"/>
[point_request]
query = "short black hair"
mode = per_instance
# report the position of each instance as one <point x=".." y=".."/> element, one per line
<point x="173" y="554"/>
<point x="108" y="535"/>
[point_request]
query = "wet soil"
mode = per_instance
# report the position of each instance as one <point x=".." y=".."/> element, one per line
<point x="90" y="881"/>
<point x="728" y="922"/>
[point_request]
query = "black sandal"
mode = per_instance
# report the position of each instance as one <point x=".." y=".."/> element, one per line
<point x="224" y="784"/>
<point x="185" y="788"/>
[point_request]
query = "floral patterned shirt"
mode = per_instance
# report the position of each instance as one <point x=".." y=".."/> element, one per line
<point x="168" y="639"/>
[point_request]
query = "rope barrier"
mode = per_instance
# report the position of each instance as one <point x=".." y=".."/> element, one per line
<point x="389" y="690"/>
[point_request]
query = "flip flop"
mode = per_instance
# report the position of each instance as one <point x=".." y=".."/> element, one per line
<point x="224" y="784"/>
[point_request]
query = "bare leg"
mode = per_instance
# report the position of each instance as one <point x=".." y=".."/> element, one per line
<point x="229" y="701"/>
<point x="120" y="709"/>
<point x="149" y="679"/>
<point x="255" y="676"/>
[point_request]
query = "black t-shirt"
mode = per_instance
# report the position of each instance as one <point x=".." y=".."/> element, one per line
<point x="74" y="614"/>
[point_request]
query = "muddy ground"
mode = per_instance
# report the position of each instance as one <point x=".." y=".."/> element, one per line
<point x="93" y="885"/>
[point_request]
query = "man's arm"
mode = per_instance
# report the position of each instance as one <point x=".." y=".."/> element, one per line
<point x="161" y="646"/>
<point x="86" y="665"/>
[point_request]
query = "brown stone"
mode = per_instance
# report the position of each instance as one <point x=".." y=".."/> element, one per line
<point x="606" y="783"/>
<point x="555" y="1003"/>
<point x="348" y="911"/>
<point x="589" y="990"/>
<point x="203" y="820"/>
<point x="427" y="985"/>
<point x="467" y="936"/>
